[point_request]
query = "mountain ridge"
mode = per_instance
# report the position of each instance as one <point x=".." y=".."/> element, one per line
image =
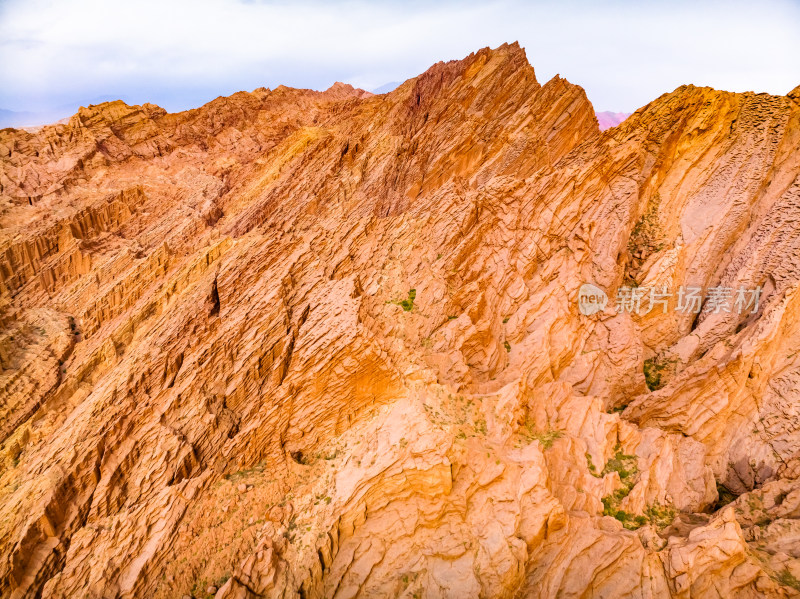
<point x="328" y="344"/>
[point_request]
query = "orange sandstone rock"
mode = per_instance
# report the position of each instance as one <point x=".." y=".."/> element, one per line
<point x="327" y="344"/>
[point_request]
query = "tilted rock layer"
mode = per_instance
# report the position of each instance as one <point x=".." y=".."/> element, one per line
<point x="328" y="344"/>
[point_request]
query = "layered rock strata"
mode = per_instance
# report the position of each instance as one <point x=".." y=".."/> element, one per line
<point x="328" y="344"/>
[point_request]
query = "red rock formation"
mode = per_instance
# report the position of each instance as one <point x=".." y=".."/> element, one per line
<point x="327" y="344"/>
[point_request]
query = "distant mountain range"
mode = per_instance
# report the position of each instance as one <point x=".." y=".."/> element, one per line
<point x="11" y="118"/>
<point x="26" y="118"/>
<point x="608" y="119"/>
<point x="386" y="87"/>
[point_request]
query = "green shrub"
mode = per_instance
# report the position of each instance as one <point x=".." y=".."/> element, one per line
<point x="545" y="438"/>
<point x="625" y="466"/>
<point x="786" y="578"/>
<point x="660" y="516"/>
<point x="591" y="466"/>
<point x="406" y="304"/>
<point x="654" y="369"/>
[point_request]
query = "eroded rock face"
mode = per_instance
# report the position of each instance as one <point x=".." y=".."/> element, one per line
<point x="328" y="344"/>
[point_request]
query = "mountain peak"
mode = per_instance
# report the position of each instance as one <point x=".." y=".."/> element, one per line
<point x="344" y="90"/>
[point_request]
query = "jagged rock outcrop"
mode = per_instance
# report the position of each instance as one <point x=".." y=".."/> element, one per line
<point x="328" y="344"/>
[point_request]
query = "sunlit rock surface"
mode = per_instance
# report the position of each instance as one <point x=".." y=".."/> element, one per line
<point x="328" y="344"/>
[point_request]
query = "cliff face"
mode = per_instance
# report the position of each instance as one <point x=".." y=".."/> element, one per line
<point x="328" y="344"/>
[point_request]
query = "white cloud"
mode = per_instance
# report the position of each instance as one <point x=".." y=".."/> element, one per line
<point x="180" y="53"/>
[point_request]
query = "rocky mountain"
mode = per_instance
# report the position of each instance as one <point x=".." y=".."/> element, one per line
<point x="607" y="119"/>
<point x="332" y="344"/>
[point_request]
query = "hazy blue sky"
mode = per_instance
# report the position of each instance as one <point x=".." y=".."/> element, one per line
<point x="182" y="53"/>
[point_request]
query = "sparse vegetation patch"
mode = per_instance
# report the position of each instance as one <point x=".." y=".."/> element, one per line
<point x="646" y="238"/>
<point x="656" y="370"/>
<point x="625" y="466"/>
<point x="408" y="303"/>
<point x="545" y="438"/>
